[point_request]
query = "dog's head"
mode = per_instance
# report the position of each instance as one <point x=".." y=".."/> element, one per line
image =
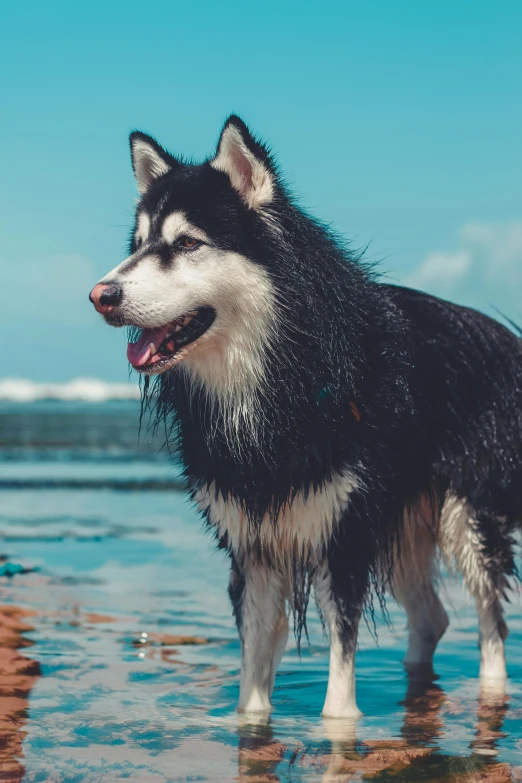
<point x="193" y="284"/>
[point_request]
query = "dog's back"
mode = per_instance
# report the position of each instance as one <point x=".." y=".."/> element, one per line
<point x="466" y="380"/>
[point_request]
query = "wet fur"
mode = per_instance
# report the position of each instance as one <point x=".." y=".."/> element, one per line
<point x="417" y="399"/>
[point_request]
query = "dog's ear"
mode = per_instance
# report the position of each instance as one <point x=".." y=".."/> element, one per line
<point x="246" y="162"/>
<point x="149" y="160"/>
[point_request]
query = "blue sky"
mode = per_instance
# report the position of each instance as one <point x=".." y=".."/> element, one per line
<point x="399" y="122"/>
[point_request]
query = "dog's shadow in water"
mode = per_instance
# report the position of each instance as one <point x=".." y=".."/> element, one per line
<point x="416" y="755"/>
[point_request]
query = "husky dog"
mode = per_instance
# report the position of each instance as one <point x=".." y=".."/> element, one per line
<point x="337" y="433"/>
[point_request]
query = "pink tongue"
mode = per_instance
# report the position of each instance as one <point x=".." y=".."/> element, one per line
<point x="138" y="353"/>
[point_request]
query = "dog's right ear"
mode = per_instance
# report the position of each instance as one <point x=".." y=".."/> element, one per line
<point x="149" y="160"/>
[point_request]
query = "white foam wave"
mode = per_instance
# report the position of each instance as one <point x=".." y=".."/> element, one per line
<point x="78" y="389"/>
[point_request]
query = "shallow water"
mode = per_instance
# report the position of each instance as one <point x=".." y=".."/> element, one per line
<point x="119" y="658"/>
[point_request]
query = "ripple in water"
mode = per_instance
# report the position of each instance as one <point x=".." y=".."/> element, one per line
<point x="119" y="657"/>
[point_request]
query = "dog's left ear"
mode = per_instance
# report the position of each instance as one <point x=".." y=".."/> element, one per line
<point x="246" y="162"/>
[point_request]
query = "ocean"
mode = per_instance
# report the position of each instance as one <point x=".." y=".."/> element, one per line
<point x="120" y="659"/>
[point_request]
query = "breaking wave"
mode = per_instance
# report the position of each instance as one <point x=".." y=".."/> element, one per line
<point x="78" y="389"/>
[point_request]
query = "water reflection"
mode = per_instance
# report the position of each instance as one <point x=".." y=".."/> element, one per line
<point x="415" y="756"/>
<point x="493" y="706"/>
<point x="259" y="754"/>
<point x="423" y="724"/>
<point x="18" y="675"/>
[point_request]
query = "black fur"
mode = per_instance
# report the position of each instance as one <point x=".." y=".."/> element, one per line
<point x="416" y="395"/>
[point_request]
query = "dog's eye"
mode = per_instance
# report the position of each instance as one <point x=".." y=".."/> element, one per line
<point x="189" y="243"/>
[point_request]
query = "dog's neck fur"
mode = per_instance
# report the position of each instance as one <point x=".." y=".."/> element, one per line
<point x="293" y="428"/>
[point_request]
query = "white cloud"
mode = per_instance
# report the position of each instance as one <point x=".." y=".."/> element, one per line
<point x="500" y="242"/>
<point x="484" y="270"/>
<point x="442" y="269"/>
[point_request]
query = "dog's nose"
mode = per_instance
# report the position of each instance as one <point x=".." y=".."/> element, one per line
<point x="105" y="297"/>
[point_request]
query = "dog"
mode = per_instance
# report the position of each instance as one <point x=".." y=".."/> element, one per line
<point x="338" y="434"/>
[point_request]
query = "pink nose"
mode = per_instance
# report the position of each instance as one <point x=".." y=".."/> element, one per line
<point x="105" y="297"/>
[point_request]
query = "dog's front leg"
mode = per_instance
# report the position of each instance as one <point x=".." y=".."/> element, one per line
<point x="258" y="596"/>
<point x="343" y="623"/>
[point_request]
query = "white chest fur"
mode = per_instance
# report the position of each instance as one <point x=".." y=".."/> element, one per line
<point x="304" y="524"/>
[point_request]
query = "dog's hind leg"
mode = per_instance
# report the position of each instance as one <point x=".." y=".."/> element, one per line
<point x="413" y="587"/>
<point x="464" y="541"/>
<point x="258" y="596"/>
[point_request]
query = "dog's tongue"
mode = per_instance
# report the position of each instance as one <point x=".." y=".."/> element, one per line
<point x="139" y="353"/>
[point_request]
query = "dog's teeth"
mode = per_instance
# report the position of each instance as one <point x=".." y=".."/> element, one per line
<point x="193" y="313"/>
<point x="153" y="349"/>
<point x="178" y="328"/>
<point x="187" y="320"/>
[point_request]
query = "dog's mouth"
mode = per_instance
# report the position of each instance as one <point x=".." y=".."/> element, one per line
<point x="158" y="349"/>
